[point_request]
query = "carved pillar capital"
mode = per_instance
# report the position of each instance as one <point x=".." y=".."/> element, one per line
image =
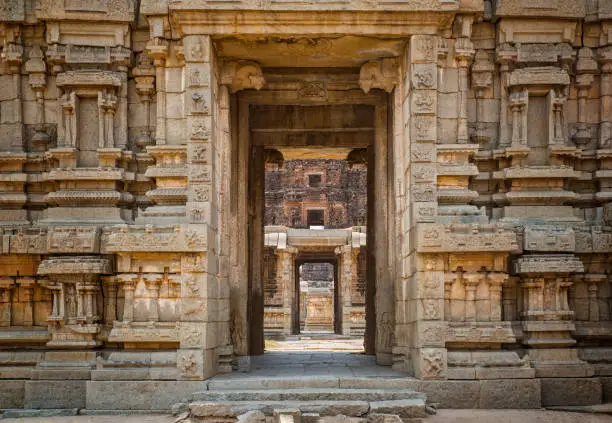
<point x="379" y="73"/>
<point x="242" y="75"/>
<point x="482" y="73"/>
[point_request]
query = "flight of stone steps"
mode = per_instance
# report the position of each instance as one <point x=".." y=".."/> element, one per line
<point x="306" y="400"/>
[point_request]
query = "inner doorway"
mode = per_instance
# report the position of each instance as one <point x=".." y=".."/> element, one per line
<point x="317" y="298"/>
<point x="315" y="226"/>
<point x="275" y="129"/>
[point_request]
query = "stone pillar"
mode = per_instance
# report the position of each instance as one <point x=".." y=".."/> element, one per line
<point x="12" y="56"/>
<point x="224" y="180"/>
<point x="109" y="284"/>
<point x="285" y="275"/>
<point x="37" y="78"/>
<point x="345" y="280"/>
<point x="6" y="295"/>
<point x="382" y="74"/>
<point x="153" y="283"/>
<point x="27" y="285"/>
<point x="238" y="75"/>
<point x="471" y="282"/>
<point x="464" y="52"/>
<point x="158" y="50"/>
<point x="128" y="283"/>
<point x="495" y="281"/>
<point x="605" y="133"/>
<point x="201" y="311"/>
<point x="425" y="300"/>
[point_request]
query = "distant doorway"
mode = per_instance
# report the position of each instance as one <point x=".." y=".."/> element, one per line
<point x="317" y="298"/>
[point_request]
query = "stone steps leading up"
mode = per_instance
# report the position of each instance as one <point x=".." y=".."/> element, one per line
<point x="326" y="396"/>
<point x="405" y="408"/>
<point x="232" y="382"/>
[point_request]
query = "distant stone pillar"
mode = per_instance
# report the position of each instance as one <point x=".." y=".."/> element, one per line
<point x="128" y="283"/>
<point x="449" y="280"/>
<point x="285" y="275"/>
<point x="471" y="282"/>
<point x="109" y="284"/>
<point x="464" y="52"/>
<point x="27" y="285"/>
<point x="6" y="294"/>
<point x="605" y="133"/>
<point x="345" y="280"/>
<point x="593" y="282"/>
<point x="158" y="50"/>
<point x="153" y="282"/>
<point x="496" y="280"/>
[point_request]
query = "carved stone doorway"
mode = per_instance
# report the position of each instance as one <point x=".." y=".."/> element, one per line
<point x="285" y="117"/>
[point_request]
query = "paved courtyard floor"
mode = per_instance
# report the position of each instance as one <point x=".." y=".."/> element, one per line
<point x="314" y="355"/>
<point x="443" y="416"/>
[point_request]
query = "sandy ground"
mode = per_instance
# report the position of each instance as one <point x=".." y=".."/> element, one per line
<point x="446" y="416"/>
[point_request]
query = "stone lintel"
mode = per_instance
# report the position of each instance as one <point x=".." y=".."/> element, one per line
<point x="548" y="263"/>
<point x="546" y="75"/>
<point x="563" y="9"/>
<point x="89" y="78"/>
<point x="69" y="265"/>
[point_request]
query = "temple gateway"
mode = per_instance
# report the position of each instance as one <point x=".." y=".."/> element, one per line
<point x="453" y="203"/>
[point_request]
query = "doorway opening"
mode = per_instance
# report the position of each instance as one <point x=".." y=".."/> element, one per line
<point x="311" y="184"/>
<point x="315" y="236"/>
<point x="317" y="298"/>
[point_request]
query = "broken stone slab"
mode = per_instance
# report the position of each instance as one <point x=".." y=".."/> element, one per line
<point x="234" y="408"/>
<point x="406" y="408"/>
<point x="287" y="415"/>
<point x="254" y="416"/>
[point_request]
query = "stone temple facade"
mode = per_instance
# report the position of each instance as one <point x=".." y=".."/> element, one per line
<point x="134" y="137"/>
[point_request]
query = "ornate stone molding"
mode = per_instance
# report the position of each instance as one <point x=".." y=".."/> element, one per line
<point x="242" y="75"/>
<point x="381" y="73"/>
<point x="464" y="238"/>
<point x="154" y="239"/>
<point x="553" y="263"/>
<point x="70" y="265"/>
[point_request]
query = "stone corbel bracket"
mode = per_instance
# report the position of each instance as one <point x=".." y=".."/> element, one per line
<point x="242" y="75"/>
<point x="379" y="73"/>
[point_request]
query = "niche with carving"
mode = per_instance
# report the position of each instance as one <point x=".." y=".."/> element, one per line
<point x="88" y="104"/>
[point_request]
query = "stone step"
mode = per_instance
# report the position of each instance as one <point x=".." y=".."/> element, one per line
<point x="232" y="382"/>
<point x="406" y="408"/>
<point x="307" y="394"/>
